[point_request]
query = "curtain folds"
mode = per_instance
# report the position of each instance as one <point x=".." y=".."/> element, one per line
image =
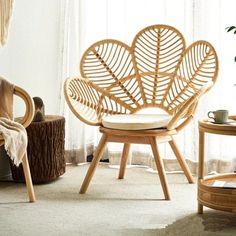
<point x="87" y="21"/>
<point x="79" y="140"/>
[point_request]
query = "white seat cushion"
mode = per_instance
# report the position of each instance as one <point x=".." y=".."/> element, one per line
<point x="136" y="121"/>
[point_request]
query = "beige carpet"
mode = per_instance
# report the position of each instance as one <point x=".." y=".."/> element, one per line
<point x="133" y="206"/>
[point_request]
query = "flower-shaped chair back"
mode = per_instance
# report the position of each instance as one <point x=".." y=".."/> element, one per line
<point x="155" y="71"/>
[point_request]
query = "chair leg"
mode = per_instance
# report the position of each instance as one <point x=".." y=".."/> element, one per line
<point x="160" y="167"/>
<point x="124" y="159"/>
<point x="28" y="179"/>
<point x="97" y="156"/>
<point x="181" y="161"/>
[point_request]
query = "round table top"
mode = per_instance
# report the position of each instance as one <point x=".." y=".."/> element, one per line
<point x="229" y="128"/>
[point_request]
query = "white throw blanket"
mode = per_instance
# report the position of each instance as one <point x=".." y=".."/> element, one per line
<point x="15" y="139"/>
<point x="13" y="133"/>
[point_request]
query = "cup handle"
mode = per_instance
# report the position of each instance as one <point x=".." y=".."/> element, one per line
<point x="211" y="113"/>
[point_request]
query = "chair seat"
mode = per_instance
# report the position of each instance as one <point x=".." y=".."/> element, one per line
<point x="136" y="121"/>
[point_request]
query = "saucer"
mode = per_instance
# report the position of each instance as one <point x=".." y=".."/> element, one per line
<point x="223" y="123"/>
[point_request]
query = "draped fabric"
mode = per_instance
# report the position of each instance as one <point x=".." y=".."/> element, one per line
<point x="5" y="15"/>
<point x="87" y="21"/>
<point x="6" y="105"/>
<point x="12" y="134"/>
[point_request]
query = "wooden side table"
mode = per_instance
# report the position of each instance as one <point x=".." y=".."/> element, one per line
<point x="218" y="198"/>
<point x="45" y="150"/>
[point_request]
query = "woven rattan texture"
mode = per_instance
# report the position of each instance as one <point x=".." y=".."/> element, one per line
<point x="157" y="70"/>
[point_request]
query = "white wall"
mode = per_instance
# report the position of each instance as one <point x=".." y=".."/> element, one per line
<point x="31" y="55"/>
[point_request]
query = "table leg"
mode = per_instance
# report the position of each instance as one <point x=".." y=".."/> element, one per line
<point x="201" y="164"/>
<point x="200" y="208"/>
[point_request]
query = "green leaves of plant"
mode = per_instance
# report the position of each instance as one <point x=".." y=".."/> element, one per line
<point x="230" y="28"/>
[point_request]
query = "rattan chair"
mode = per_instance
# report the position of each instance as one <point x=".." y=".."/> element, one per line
<point x="118" y="81"/>
<point x="25" y="121"/>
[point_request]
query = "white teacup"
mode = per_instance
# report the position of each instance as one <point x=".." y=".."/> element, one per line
<point x="219" y="116"/>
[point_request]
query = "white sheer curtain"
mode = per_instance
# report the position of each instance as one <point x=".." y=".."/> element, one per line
<point x="87" y="21"/>
<point x="79" y="140"/>
<point x="211" y="19"/>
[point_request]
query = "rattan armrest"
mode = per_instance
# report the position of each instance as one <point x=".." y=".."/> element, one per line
<point x="188" y="109"/>
<point x="29" y="106"/>
<point x="90" y="102"/>
<point x="82" y="98"/>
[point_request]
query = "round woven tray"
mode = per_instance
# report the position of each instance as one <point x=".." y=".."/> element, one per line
<point x="219" y="198"/>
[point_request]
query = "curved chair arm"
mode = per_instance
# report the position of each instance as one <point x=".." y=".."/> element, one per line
<point x="29" y="104"/>
<point x="82" y="100"/>
<point x="90" y="103"/>
<point x="188" y="109"/>
<point x="197" y="71"/>
<point x="29" y="108"/>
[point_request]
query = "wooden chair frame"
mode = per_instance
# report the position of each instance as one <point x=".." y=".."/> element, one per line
<point x="157" y="71"/>
<point x="25" y="121"/>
